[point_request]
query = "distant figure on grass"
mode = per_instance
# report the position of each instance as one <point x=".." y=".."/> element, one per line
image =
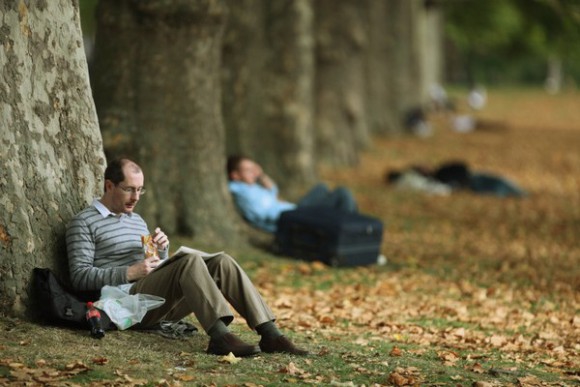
<point x="256" y="195"/>
<point x="104" y="244"/>
<point x="452" y="176"/>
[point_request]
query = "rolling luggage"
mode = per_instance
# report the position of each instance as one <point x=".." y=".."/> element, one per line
<point x="330" y="236"/>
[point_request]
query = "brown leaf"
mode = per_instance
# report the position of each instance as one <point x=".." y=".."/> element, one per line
<point x="397" y="379"/>
<point x="395" y="352"/>
<point x="100" y="360"/>
<point x="477" y="368"/>
<point x="290" y="369"/>
<point x="185" y="378"/>
<point x="449" y="358"/>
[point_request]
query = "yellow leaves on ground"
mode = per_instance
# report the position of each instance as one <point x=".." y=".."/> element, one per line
<point x="230" y="358"/>
<point x="415" y="308"/>
<point x="42" y="374"/>
<point x="405" y="377"/>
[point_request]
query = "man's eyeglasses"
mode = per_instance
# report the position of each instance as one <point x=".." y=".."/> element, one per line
<point x="132" y="191"/>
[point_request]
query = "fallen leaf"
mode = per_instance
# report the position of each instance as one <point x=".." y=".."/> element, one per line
<point x="395" y="352"/>
<point x="185" y="378"/>
<point x="229" y="358"/>
<point x="100" y="360"/>
<point x="290" y="369"/>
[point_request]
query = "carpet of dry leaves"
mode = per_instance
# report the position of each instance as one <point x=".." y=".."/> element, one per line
<point x="477" y="290"/>
<point x="498" y="274"/>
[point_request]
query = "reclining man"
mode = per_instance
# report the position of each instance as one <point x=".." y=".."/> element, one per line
<point x="104" y="248"/>
<point x="256" y="195"/>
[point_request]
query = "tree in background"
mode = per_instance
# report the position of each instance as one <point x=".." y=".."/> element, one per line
<point x="156" y="82"/>
<point x="340" y="90"/>
<point x="51" y="155"/>
<point x="553" y="31"/>
<point x="512" y="40"/>
<point x="368" y="70"/>
<point x="163" y="93"/>
<point x="268" y="72"/>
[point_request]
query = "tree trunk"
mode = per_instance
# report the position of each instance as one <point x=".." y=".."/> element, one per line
<point x="243" y="66"/>
<point x="382" y="109"/>
<point x="51" y="154"/>
<point x="430" y="26"/>
<point x="340" y="81"/>
<point x="268" y="81"/>
<point x="157" y="90"/>
<point x="554" y="78"/>
<point x="406" y="54"/>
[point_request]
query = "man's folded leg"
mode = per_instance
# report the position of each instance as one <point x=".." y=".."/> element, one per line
<point x="188" y="288"/>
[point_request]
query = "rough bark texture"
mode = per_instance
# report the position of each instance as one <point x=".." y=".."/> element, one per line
<point x="51" y="149"/>
<point x="268" y="88"/>
<point x="341" y="119"/>
<point x="157" y="91"/>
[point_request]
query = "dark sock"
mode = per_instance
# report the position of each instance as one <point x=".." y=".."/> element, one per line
<point x="218" y="330"/>
<point x="268" y="329"/>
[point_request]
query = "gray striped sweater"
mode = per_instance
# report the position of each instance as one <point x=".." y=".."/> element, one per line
<point x="101" y="246"/>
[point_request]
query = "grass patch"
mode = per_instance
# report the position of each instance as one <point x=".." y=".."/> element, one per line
<point x="476" y="289"/>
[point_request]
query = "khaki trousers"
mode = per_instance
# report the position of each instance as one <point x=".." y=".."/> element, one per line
<point x="204" y="287"/>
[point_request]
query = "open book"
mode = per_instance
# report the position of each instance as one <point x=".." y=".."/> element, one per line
<point x="182" y="251"/>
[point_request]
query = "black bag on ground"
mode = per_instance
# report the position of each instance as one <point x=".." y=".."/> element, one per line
<point x="330" y="236"/>
<point x="54" y="304"/>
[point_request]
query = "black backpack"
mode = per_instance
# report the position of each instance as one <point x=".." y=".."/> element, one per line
<point x="54" y="304"/>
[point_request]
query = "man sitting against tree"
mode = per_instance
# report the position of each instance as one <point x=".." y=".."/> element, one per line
<point x="256" y="195"/>
<point x="105" y="248"/>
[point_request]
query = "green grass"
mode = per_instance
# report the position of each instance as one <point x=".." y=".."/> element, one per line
<point x="504" y="271"/>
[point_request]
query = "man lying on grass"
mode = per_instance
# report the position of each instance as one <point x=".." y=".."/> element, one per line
<point x="105" y="248"/>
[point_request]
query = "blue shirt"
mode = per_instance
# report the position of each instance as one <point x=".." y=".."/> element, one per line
<point x="259" y="206"/>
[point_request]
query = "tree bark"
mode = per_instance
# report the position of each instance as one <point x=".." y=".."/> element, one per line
<point x="341" y="41"/>
<point x="243" y="66"/>
<point x="51" y="154"/>
<point x="406" y="54"/>
<point x="430" y="25"/>
<point x="382" y="109"/>
<point x="158" y="97"/>
<point x="268" y="88"/>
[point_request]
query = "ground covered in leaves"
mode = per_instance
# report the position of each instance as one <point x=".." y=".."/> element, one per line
<point x="477" y="290"/>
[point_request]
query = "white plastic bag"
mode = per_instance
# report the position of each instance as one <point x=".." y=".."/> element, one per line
<point x="124" y="309"/>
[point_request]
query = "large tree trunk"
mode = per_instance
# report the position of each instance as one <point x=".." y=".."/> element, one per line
<point x="51" y="154"/>
<point x="430" y="26"/>
<point x="289" y="84"/>
<point x="404" y="22"/>
<point x="157" y="90"/>
<point x="243" y="65"/>
<point x="382" y="109"/>
<point x="341" y="119"/>
<point x="268" y="81"/>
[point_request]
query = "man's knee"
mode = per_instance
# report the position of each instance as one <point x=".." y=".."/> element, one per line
<point x="224" y="260"/>
<point x="190" y="260"/>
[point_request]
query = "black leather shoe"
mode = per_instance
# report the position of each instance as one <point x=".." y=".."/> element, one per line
<point x="231" y="343"/>
<point x="280" y="344"/>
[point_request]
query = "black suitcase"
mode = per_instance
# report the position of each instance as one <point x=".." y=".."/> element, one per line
<point x="330" y="236"/>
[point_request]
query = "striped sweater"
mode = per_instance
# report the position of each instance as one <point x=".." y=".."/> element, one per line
<point x="102" y="245"/>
